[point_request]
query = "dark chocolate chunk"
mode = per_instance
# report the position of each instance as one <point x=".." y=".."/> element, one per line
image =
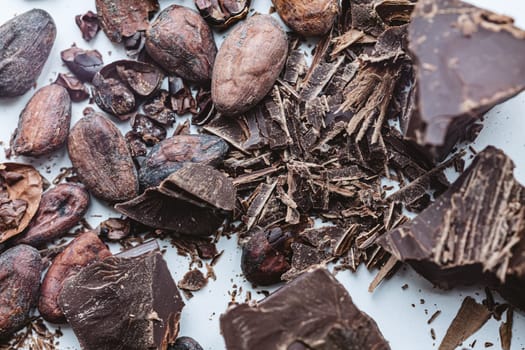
<point x="473" y="233"/>
<point x="467" y="60"/>
<point x="314" y="311"/>
<point x="122" y="303"/>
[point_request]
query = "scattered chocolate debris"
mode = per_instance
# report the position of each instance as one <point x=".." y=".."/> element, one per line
<point x="434" y="316"/>
<point x="505" y="331"/>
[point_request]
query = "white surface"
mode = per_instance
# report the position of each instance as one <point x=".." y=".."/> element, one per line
<point x="404" y="325"/>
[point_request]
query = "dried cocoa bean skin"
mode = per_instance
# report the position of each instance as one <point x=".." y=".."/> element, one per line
<point x="102" y="159"/>
<point x="44" y="123"/>
<point x="248" y="64"/>
<point x="20" y="269"/>
<point x="84" y="250"/>
<point x="170" y="154"/>
<point x="182" y="43"/>
<point x="308" y="17"/>
<point x="25" y="44"/>
<point x="61" y="208"/>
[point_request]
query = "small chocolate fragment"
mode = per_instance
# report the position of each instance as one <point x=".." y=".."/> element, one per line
<point x="44" y="123"/>
<point x="193" y="281"/>
<point x="123" y="303"/>
<point x="20" y="269"/>
<point x="223" y="13"/>
<point x="314" y="311"/>
<point x="470" y="317"/>
<point x="84" y="250"/>
<point x="88" y="24"/>
<point x="170" y="154"/>
<point x="20" y="194"/>
<point x="123" y="18"/>
<point x="185" y="343"/>
<point x="25" y="44"/>
<point x="83" y="63"/>
<point x="473" y="232"/>
<point x="77" y="90"/>
<point x="453" y="90"/>
<point x="61" y="208"/>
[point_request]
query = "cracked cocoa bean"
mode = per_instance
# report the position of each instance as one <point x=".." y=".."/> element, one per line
<point x="83" y="63"/>
<point x="20" y="269"/>
<point x="182" y="43"/>
<point x="44" y="123"/>
<point x="61" y="208"/>
<point x="308" y="17"/>
<point x="102" y="159"/>
<point x="82" y="251"/>
<point x="25" y="44"/>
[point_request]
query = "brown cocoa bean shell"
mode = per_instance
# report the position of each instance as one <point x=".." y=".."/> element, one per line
<point x="44" y="123"/>
<point x="308" y="17"/>
<point x="248" y="64"/>
<point x="182" y="43"/>
<point x="20" y="269"/>
<point x="84" y="250"/>
<point x="61" y="208"/>
<point x="25" y="44"/>
<point x="169" y="155"/>
<point x="101" y="157"/>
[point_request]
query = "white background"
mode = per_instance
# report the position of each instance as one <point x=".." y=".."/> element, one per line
<point x="401" y="314"/>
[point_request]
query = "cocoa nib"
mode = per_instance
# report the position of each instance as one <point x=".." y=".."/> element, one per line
<point x="148" y="130"/>
<point x="114" y="229"/>
<point x="120" y="19"/>
<point x="61" y="208"/>
<point x="43" y="125"/>
<point x="20" y="268"/>
<point x="84" y="250"/>
<point x="223" y="13"/>
<point x="102" y="160"/>
<point x="88" y="24"/>
<point x="193" y="281"/>
<point x="83" y="63"/>
<point x="142" y="312"/>
<point x="77" y="90"/>
<point x="312" y="311"/>
<point x="20" y="194"/>
<point x="25" y="44"/>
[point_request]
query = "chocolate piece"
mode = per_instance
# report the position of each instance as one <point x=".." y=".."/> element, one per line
<point x="88" y="24"/>
<point x="472" y="233"/>
<point x="123" y="303"/>
<point x="453" y="89"/>
<point x="312" y="312"/>
<point x="470" y="317"/>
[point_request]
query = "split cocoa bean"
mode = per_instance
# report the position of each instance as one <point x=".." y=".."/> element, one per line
<point x="44" y="123"/>
<point x="308" y="17"/>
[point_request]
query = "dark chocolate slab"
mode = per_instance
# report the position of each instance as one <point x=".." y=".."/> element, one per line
<point x="123" y="304"/>
<point x="467" y="60"/>
<point x="314" y="311"/>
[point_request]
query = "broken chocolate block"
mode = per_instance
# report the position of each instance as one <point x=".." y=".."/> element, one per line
<point x="467" y="60"/>
<point x="473" y="233"/>
<point x="123" y="303"/>
<point x="312" y="312"/>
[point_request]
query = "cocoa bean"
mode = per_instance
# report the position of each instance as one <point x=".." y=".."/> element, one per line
<point x="25" y="44"/>
<point x="82" y="251"/>
<point x="101" y="157"/>
<point x="248" y="64"/>
<point x="44" y="123"/>
<point x="308" y="17"/>
<point x="61" y="208"/>
<point x="182" y="43"/>
<point x="20" y="269"/>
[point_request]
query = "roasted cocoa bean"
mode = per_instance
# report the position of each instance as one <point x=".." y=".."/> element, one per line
<point x="20" y="269"/>
<point x="102" y="160"/>
<point x="84" y="250"/>
<point x="182" y="43"/>
<point x="308" y="17"/>
<point x="76" y="89"/>
<point x="61" y="208"/>
<point x="248" y="64"/>
<point x="83" y="63"/>
<point x="123" y="18"/>
<point x="44" y="123"/>
<point x="170" y="154"/>
<point x="25" y="44"/>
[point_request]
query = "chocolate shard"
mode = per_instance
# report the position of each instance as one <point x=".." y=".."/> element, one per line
<point x="312" y="312"/>
<point x="453" y="88"/>
<point x="121" y="303"/>
<point x="473" y="232"/>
